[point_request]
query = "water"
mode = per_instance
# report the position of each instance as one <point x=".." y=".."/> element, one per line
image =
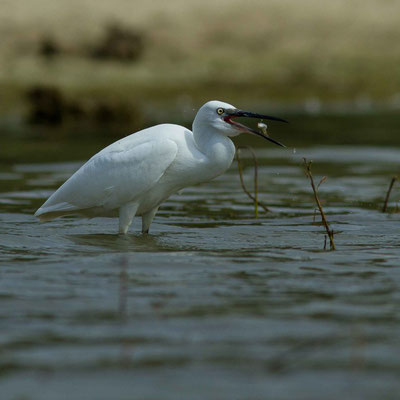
<point x="214" y="303"/>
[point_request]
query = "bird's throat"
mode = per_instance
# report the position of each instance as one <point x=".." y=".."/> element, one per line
<point x="218" y="149"/>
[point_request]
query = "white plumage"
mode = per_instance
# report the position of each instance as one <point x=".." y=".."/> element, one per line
<point x="134" y="175"/>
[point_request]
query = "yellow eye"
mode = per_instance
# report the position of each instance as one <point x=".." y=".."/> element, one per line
<point x="220" y="111"/>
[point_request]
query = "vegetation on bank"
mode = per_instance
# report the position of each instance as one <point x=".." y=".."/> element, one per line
<point x="181" y="54"/>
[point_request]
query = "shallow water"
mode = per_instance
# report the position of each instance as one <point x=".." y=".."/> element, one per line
<point x="214" y="303"/>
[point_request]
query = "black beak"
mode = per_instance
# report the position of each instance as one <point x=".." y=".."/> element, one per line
<point x="247" y="114"/>
<point x="231" y="114"/>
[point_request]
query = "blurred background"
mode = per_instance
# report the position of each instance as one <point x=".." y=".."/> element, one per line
<point x="87" y="68"/>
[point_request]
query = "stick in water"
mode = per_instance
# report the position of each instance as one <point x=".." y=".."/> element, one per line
<point x="307" y="168"/>
<point x="394" y="179"/>
<point x="255" y="197"/>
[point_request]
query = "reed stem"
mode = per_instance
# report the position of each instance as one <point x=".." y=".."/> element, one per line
<point x="385" y="204"/>
<point x="240" y="168"/>
<point x="307" y="168"/>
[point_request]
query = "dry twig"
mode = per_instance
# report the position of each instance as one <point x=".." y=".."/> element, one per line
<point x="307" y="167"/>
<point x="255" y="197"/>
<point x="394" y="179"/>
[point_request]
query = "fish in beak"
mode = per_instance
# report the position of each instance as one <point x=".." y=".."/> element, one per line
<point x="235" y="113"/>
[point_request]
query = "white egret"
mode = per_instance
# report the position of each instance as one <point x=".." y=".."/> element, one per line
<point x="134" y="175"/>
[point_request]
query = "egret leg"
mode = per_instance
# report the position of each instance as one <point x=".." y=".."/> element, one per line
<point x="147" y="219"/>
<point x="126" y="214"/>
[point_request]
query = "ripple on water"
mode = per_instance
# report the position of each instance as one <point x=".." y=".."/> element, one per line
<point x="212" y="294"/>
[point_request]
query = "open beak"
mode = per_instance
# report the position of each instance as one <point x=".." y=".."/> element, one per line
<point x="231" y="114"/>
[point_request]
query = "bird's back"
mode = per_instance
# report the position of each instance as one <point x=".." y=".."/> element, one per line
<point x="117" y="174"/>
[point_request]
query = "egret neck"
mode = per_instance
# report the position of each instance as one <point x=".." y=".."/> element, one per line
<point x="217" y="147"/>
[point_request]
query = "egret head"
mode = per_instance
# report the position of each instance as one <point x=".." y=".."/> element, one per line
<point x="220" y="116"/>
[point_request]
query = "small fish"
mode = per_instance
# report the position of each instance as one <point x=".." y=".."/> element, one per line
<point x="263" y="127"/>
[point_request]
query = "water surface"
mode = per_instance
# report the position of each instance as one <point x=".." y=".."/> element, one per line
<point x="214" y="303"/>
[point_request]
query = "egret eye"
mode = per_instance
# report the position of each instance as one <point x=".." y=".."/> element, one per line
<point x="220" y="111"/>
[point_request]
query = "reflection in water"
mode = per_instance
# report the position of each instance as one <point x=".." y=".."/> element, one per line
<point x="120" y="243"/>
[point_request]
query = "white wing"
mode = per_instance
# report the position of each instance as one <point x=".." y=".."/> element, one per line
<point x="114" y="176"/>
